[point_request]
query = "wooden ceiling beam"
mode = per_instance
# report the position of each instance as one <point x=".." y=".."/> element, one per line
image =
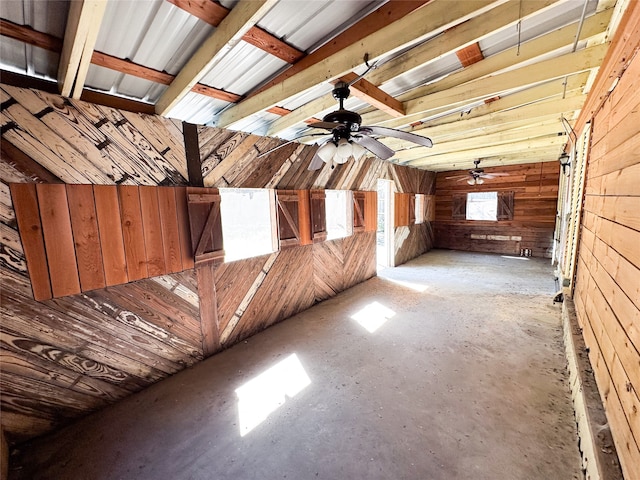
<point x="81" y="33"/>
<point x="431" y="19"/>
<point x="213" y="13"/>
<point x="481" y="152"/>
<point x="368" y="92"/>
<point x="503" y="138"/>
<point x="386" y="14"/>
<point x="230" y="31"/>
<point x="562" y="37"/>
<point x="465" y="163"/>
<point x="527" y="112"/>
<point x="446" y="43"/>
<point x="540" y="93"/>
<point x="26" y="34"/>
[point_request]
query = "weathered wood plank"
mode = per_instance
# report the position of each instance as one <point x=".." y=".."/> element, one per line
<point x="209" y="323"/>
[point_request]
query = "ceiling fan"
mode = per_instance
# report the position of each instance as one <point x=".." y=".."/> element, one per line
<point x="349" y="138"/>
<point x="476" y="175"/>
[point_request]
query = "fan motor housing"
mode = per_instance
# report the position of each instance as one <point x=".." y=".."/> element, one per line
<point x="344" y="117"/>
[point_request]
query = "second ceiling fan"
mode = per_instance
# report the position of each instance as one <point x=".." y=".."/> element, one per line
<point x="476" y="175"/>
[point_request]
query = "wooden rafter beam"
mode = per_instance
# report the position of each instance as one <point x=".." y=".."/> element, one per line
<point x="386" y="14"/>
<point x="466" y="162"/>
<point x="511" y="148"/>
<point x="230" y="31"/>
<point x="28" y="35"/>
<point x="504" y="138"/>
<point x="431" y="19"/>
<point x="213" y="13"/>
<point x="446" y="43"/>
<point x="81" y="33"/>
<point x="368" y="92"/>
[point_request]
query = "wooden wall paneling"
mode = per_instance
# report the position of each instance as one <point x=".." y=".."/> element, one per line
<point x="184" y="228"/>
<point x="165" y="137"/>
<point x="19" y="161"/>
<point x="402" y="209"/>
<point x="110" y="232"/>
<point x="412" y="241"/>
<point x="132" y="232"/>
<point x="209" y="324"/>
<point x="359" y="252"/>
<point x="142" y="155"/>
<point x="286" y="290"/>
<point x="25" y="201"/>
<point x="86" y="237"/>
<point x="328" y="269"/>
<point x="170" y="230"/>
<point x="152" y="229"/>
<point x="261" y="171"/>
<point x="236" y="283"/>
<point x="58" y="239"/>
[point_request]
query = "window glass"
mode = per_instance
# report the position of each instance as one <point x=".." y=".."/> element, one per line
<point x="419" y="208"/>
<point x="246" y="222"/>
<point x="482" y="206"/>
<point x="337" y="204"/>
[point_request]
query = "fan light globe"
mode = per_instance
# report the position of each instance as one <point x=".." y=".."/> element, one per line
<point x="471" y="181"/>
<point x="327" y="151"/>
<point x="358" y="151"/>
<point x="479" y="181"/>
<point x="343" y="151"/>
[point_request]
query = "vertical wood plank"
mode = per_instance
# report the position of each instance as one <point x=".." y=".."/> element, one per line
<point x="192" y="152"/>
<point x="132" y="232"/>
<point x="304" y="214"/>
<point x="110" y="231"/>
<point x="184" y="229"/>
<point x="208" y="309"/>
<point x="152" y="230"/>
<point x="85" y="236"/>
<point x="370" y="211"/>
<point x="58" y="239"/>
<point x="170" y="232"/>
<point x="25" y="204"/>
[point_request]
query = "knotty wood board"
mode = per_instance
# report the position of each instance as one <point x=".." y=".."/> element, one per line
<point x="170" y="231"/>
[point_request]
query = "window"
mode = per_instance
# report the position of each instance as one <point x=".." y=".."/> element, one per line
<point x="482" y="206"/>
<point x="337" y="203"/>
<point x="419" y="208"/>
<point x="247" y="219"/>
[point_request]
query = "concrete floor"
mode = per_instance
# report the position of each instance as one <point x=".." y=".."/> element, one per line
<point x="462" y="376"/>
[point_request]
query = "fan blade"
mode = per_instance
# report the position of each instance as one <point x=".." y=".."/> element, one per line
<point x="290" y="141"/>
<point x="379" y="149"/>
<point x="325" y="125"/>
<point x="392" y="132"/>
<point x="494" y="175"/>
<point x="456" y="176"/>
<point x="316" y="163"/>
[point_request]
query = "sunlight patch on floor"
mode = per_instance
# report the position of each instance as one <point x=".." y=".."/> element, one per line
<point x="373" y="316"/>
<point x="264" y="394"/>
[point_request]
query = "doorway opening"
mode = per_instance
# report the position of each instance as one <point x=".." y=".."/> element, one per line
<point x="384" y="231"/>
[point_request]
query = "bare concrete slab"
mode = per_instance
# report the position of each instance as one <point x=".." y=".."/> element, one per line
<point x="449" y="367"/>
